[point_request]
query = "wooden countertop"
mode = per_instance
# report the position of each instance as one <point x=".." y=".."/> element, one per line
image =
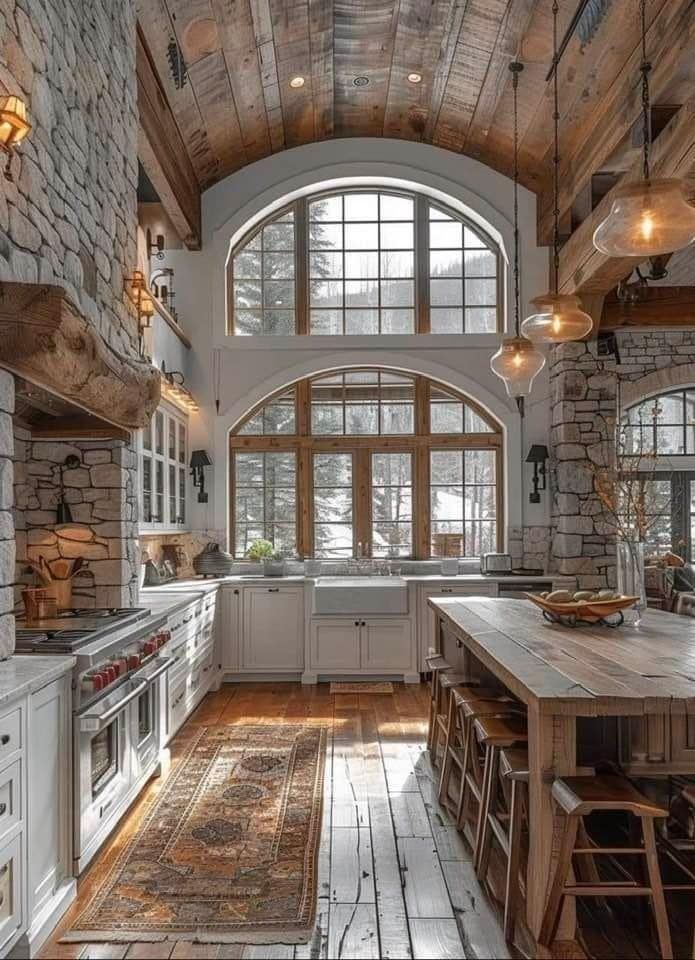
<point x="587" y="670"/>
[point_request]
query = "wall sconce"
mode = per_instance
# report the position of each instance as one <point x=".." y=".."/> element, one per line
<point x="140" y="296"/>
<point x="13" y="127"/>
<point x="173" y="389"/>
<point x="63" y="511"/>
<point x="155" y="249"/>
<point x="200" y="460"/>
<point x="163" y="292"/>
<point x="538" y="455"/>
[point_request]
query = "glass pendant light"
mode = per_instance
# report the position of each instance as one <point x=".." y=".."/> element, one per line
<point x="557" y="317"/>
<point x="649" y="217"/>
<point x="517" y="361"/>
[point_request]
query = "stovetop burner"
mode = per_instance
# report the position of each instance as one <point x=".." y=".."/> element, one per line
<point x="72" y="629"/>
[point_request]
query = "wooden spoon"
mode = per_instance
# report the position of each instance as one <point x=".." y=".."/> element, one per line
<point x="61" y="569"/>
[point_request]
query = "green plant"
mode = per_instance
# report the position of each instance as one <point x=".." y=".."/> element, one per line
<point x="260" y="550"/>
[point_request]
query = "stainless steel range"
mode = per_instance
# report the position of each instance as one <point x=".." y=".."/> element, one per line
<point x="119" y="709"/>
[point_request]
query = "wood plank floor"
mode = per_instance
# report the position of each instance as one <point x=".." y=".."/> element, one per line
<point x="395" y="876"/>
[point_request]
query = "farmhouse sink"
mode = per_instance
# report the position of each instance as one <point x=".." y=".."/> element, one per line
<point x="360" y="595"/>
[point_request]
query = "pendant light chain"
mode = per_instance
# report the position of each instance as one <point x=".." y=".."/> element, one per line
<point x="556" y="155"/>
<point x="516" y="68"/>
<point x="645" y="69"/>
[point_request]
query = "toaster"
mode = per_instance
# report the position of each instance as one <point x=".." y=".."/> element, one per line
<point x="496" y="563"/>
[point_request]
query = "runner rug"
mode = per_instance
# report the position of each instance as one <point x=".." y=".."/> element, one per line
<point x="227" y="850"/>
<point x="363" y="687"/>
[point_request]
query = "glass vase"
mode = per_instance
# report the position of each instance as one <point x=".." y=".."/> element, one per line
<point x="630" y="572"/>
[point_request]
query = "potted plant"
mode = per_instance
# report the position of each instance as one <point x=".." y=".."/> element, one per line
<point x="264" y="552"/>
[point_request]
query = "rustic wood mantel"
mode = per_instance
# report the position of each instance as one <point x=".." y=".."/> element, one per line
<point x="645" y="675"/>
<point x="45" y="338"/>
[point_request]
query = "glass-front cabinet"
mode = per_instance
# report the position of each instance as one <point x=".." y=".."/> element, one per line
<point x="163" y="459"/>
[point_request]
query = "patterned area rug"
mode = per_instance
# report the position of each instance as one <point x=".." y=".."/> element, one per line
<point x="227" y="850"/>
<point x="366" y="687"/>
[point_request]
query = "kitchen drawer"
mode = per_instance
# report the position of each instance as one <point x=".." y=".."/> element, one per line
<point x="10" y="797"/>
<point x="10" y="733"/>
<point x="11" y="885"/>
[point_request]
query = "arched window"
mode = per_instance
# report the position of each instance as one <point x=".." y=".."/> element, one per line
<point x="365" y="262"/>
<point x="661" y="426"/>
<point x="367" y="462"/>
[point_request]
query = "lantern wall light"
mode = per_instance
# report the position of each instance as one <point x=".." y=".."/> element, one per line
<point x="13" y="127"/>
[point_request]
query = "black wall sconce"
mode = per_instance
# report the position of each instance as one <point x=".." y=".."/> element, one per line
<point x="63" y="511"/>
<point x="200" y="460"/>
<point x="155" y="248"/>
<point x="538" y="456"/>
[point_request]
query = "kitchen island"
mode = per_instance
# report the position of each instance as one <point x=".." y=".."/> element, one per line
<point x="625" y="695"/>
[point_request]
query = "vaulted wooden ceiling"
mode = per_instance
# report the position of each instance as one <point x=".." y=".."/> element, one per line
<point x="235" y="104"/>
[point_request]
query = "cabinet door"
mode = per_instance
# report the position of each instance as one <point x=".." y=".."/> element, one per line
<point x="273" y="628"/>
<point x="229" y="626"/>
<point x="335" y="645"/>
<point x="427" y="622"/>
<point x="11" y="896"/>
<point x="386" y="644"/>
<point x="49" y="792"/>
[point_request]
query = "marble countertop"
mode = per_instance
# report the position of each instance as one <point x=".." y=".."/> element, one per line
<point x="200" y="586"/>
<point x="25" y="674"/>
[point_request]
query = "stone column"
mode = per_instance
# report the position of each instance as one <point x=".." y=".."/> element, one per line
<point x="583" y="390"/>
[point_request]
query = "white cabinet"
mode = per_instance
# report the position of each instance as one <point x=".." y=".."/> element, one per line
<point x="50" y="883"/>
<point x="162" y="471"/>
<point x="11" y="892"/>
<point x="194" y="630"/>
<point x="335" y="644"/>
<point x="229" y="630"/>
<point x="386" y="645"/>
<point x="376" y="645"/>
<point x="273" y="629"/>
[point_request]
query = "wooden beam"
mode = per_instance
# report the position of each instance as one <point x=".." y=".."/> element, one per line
<point x="44" y="338"/>
<point x="163" y="153"/>
<point x="582" y="267"/>
<point x="609" y="103"/>
<point x="321" y="44"/>
<point x="293" y="57"/>
<point x="158" y="29"/>
<point x="656" y="307"/>
<point x="265" y="48"/>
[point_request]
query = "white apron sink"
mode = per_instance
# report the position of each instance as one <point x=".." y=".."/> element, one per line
<point x="360" y="595"/>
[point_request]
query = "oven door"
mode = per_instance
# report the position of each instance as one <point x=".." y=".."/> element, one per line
<point x="102" y="735"/>
<point x="148" y="717"/>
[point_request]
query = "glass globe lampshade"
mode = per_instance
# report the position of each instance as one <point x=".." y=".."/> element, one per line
<point x="558" y="318"/>
<point x="517" y="362"/>
<point x="13" y="121"/>
<point x="647" y="218"/>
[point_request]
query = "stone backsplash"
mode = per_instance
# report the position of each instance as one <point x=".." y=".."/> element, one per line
<point x="101" y="493"/>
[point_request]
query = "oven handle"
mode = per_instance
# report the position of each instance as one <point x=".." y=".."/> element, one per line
<point x="164" y="664"/>
<point x="92" y="722"/>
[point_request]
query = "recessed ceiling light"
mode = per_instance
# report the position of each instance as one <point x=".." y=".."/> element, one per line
<point x="361" y="81"/>
<point x="297" y="82"/>
<point x="414" y="77"/>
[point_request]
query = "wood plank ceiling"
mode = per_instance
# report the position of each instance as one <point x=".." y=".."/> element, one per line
<point x="235" y="104"/>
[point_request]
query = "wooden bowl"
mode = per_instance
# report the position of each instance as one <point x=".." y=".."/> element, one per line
<point x="590" y="611"/>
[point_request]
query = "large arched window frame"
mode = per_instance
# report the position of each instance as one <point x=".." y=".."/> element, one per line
<point x="423" y="280"/>
<point x="444" y="451"/>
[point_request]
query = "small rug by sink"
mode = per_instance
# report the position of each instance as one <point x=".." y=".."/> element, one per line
<point x="227" y="850"/>
<point x="365" y="687"/>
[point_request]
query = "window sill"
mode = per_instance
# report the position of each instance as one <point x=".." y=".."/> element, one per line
<point x="385" y="342"/>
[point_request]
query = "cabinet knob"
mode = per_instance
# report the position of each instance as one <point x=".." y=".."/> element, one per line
<point x="236" y="593"/>
<point x="5" y="739"/>
<point x="357" y="623"/>
<point x="273" y="589"/>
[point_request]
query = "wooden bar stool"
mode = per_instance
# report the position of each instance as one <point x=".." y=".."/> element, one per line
<point x="443" y="678"/>
<point x="494" y="734"/>
<point x="578" y="797"/>
<point x="457" y="732"/>
<point x="507" y="826"/>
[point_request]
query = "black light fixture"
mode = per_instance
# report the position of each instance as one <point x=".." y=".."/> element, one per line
<point x="200" y="460"/>
<point x="63" y="511"/>
<point x="538" y="456"/>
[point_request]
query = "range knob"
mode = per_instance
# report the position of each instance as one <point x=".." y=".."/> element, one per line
<point x="149" y="646"/>
<point x="110" y="672"/>
<point x="133" y="661"/>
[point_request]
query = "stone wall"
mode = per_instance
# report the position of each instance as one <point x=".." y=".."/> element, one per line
<point x="101" y="493"/>
<point x="70" y="216"/>
<point x="587" y="393"/>
<point x="7" y="537"/>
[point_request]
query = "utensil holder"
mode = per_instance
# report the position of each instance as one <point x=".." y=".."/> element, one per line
<point x="62" y="591"/>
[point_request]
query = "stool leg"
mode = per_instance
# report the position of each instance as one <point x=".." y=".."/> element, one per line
<point x="658" y="901"/>
<point x="512" y="890"/>
<point x="483" y="805"/>
<point x="485" y="843"/>
<point x="448" y="760"/>
<point x="433" y="711"/>
<point x="556" y="892"/>
<point x="462" y="805"/>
